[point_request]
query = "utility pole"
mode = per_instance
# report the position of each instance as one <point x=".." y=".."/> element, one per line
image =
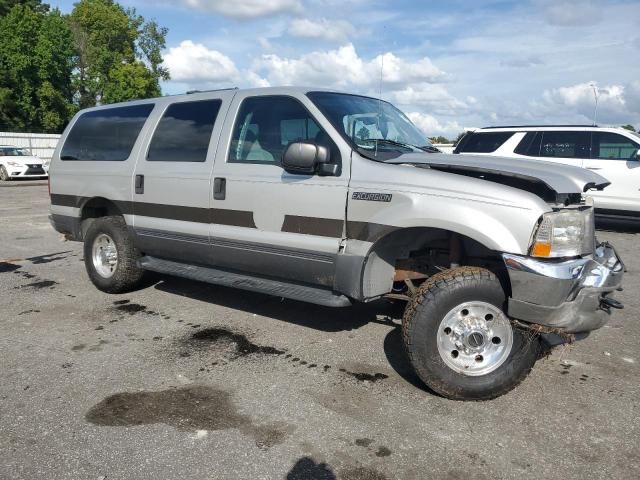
<point x="595" y="109"/>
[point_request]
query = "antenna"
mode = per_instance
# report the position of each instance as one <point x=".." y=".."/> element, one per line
<point x="379" y="100"/>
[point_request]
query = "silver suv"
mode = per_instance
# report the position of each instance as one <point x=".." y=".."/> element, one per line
<point x="333" y="198"/>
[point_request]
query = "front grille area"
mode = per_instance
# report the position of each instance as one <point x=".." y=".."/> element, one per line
<point x="34" y="170"/>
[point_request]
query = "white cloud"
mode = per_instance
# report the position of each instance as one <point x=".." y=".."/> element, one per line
<point x="432" y="127"/>
<point x="435" y="98"/>
<point x="331" y="30"/>
<point x="246" y="8"/>
<point x="613" y="105"/>
<point x="193" y="63"/>
<point x="572" y="13"/>
<point x="344" y="68"/>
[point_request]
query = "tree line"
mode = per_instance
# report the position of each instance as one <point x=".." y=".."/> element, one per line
<point x="53" y="64"/>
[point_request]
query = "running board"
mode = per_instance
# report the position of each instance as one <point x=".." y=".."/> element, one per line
<point x="278" y="288"/>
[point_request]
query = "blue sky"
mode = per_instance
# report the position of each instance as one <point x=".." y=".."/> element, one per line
<point x="449" y="65"/>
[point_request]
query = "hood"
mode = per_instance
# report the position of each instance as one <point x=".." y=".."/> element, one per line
<point x="22" y="160"/>
<point x="556" y="177"/>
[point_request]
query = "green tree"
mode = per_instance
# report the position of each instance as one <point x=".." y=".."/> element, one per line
<point x="35" y="61"/>
<point x="629" y="127"/>
<point x="112" y="43"/>
<point x="36" y="6"/>
<point x="440" y="139"/>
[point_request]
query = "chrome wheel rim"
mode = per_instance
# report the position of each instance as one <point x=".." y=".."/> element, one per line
<point x="104" y="255"/>
<point x="475" y="338"/>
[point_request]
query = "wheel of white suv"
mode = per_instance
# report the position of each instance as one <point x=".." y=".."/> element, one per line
<point x="4" y="176"/>
<point x="110" y="256"/>
<point x="459" y="340"/>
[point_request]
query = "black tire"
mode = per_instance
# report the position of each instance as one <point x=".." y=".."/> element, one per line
<point x="423" y="316"/>
<point x="4" y="176"/>
<point x="128" y="274"/>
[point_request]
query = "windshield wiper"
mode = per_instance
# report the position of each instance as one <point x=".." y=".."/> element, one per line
<point x="387" y="141"/>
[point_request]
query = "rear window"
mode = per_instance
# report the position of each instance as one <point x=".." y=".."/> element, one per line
<point x="107" y="134"/>
<point x="184" y="132"/>
<point x="485" y="142"/>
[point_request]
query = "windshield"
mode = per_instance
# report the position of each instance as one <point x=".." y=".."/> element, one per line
<point x="375" y="128"/>
<point x="14" y="152"/>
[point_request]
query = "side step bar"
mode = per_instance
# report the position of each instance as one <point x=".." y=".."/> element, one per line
<point x="304" y="293"/>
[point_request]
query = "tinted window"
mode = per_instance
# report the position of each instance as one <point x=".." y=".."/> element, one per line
<point x="566" y="144"/>
<point x="266" y="125"/>
<point x="613" y="146"/>
<point x="107" y="134"/>
<point x="529" y="145"/>
<point x="184" y="132"/>
<point x="484" y="142"/>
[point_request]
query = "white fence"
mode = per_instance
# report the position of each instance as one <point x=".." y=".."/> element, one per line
<point x="40" y="144"/>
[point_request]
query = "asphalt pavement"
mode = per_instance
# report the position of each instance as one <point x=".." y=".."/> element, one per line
<point x="184" y="380"/>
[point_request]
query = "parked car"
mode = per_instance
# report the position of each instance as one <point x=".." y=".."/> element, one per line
<point x="332" y="198"/>
<point x="613" y="152"/>
<point x="17" y="162"/>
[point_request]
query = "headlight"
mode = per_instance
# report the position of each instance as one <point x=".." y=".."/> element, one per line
<point x="14" y="164"/>
<point x="565" y="233"/>
<point x="46" y="163"/>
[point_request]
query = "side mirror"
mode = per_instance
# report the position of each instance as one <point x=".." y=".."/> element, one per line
<point x="307" y="158"/>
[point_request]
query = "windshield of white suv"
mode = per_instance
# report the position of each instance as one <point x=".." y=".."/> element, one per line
<point x="14" y="152"/>
<point x="375" y="128"/>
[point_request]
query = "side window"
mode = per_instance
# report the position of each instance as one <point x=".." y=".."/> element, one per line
<point x="266" y="125"/>
<point x="611" y="146"/>
<point x="566" y="144"/>
<point x="529" y="145"/>
<point x="107" y="134"/>
<point x="184" y="132"/>
<point x="484" y="142"/>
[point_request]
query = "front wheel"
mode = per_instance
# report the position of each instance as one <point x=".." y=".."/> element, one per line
<point x="4" y="176"/>
<point x="110" y="256"/>
<point x="459" y="340"/>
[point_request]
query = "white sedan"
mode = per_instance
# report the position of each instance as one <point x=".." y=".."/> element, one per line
<point x="17" y="162"/>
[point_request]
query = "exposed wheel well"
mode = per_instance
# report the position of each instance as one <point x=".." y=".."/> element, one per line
<point x="417" y="253"/>
<point x="97" y="207"/>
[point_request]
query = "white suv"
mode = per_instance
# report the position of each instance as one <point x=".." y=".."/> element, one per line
<point x="17" y="162"/>
<point x="612" y="152"/>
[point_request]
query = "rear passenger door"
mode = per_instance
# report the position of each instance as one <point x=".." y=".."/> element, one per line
<point x="614" y="157"/>
<point x="267" y="221"/>
<point x="172" y="178"/>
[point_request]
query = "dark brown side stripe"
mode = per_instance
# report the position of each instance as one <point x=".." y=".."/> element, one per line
<point x="367" y="232"/>
<point x="219" y="216"/>
<point x="322" y="227"/>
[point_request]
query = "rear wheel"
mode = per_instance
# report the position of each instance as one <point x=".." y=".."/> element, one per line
<point x="4" y="176"/>
<point x="459" y="340"/>
<point x="110" y="256"/>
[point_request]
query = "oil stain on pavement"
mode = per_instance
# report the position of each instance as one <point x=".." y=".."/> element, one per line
<point x="190" y="408"/>
<point x="222" y="336"/>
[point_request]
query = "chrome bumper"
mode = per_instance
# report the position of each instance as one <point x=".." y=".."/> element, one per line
<point x="568" y="294"/>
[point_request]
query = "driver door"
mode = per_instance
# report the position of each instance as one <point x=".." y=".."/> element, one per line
<point x="267" y="221"/>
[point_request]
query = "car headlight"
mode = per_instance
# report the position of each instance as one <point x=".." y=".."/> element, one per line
<point x="46" y="163"/>
<point x="14" y="164"/>
<point x="565" y="233"/>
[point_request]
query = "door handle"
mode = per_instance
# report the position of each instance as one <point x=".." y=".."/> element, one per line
<point x="219" y="188"/>
<point x="139" y="183"/>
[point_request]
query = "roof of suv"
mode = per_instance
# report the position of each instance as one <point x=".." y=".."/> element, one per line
<point x="543" y="128"/>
